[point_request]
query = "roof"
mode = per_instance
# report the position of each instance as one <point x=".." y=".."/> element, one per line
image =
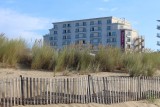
<point x="83" y="19"/>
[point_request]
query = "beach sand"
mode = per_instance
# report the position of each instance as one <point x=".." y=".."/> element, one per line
<point x="9" y="73"/>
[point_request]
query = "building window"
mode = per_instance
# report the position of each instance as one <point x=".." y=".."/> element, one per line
<point x="69" y="37"/>
<point x="64" y="25"/>
<point x="99" y="22"/>
<point x="108" y="40"/>
<point x="108" y="27"/>
<point x="55" y="32"/>
<point x="109" y="21"/>
<point x="109" y="34"/>
<point x="77" y="24"/>
<point x="55" y="38"/>
<point x="128" y="40"/>
<point x="64" y="37"/>
<point x="99" y="34"/>
<point x="50" y="38"/>
<point x="77" y="30"/>
<point x="84" y="23"/>
<point x="92" y="29"/>
<point x="68" y="25"/>
<point x="84" y="29"/>
<point x="113" y="39"/>
<point x="113" y="33"/>
<point x="84" y="42"/>
<point x="64" y="31"/>
<point x="55" y="26"/>
<point x="99" y="29"/>
<point x="69" y="31"/>
<point x="92" y="23"/>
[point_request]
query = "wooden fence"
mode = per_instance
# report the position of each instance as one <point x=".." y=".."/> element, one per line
<point x="87" y="89"/>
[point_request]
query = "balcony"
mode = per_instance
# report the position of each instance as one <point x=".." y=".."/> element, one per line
<point x="95" y="36"/>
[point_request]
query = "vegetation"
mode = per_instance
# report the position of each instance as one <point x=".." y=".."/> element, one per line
<point x="74" y="58"/>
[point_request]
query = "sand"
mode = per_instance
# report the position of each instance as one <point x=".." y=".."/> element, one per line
<point x="9" y="73"/>
<point x="126" y="104"/>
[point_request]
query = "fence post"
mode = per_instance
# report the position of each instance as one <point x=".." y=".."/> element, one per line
<point x="22" y="89"/>
<point x="89" y="90"/>
<point x="139" y="88"/>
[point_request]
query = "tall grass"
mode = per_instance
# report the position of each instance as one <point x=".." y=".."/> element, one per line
<point x="108" y="58"/>
<point x="43" y="57"/>
<point x="11" y="51"/>
<point x="77" y="58"/>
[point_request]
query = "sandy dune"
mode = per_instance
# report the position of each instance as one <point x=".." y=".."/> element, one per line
<point x="8" y="73"/>
<point x="126" y="104"/>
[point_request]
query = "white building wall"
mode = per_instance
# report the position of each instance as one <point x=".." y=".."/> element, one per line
<point x="110" y="33"/>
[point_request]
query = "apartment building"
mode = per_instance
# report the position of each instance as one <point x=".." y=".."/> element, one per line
<point x="158" y="35"/>
<point x="105" y="31"/>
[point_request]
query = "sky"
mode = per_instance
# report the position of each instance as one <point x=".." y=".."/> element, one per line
<point x="31" y="19"/>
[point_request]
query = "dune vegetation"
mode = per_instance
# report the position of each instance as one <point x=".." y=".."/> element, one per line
<point x="14" y="52"/>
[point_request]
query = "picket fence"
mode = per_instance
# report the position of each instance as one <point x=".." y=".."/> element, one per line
<point x="86" y="89"/>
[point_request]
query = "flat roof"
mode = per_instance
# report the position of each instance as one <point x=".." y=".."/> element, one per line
<point x="84" y="19"/>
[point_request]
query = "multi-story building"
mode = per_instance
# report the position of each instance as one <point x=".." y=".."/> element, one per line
<point x="158" y="34"/>
<point x="105" y="31"/>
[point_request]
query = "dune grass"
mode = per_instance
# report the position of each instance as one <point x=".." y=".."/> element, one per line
<point x="11" y="51"/>
<point x="78" y="59"/>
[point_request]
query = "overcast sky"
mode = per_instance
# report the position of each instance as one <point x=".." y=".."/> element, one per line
<point x="31" y="19"/>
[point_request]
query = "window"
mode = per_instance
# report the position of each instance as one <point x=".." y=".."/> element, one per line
<point x="113" y="33"/>
<point x="128" y="40"/>
<point x="109" y="21"/>
<point x="68" y="25"/>
<point x="55" y="38"/>
<point x="50" y="38"/>
<point x="64" y="25"/>
<point x="77" y="30"/>
<point x="99" y="34"/>
<point x="84" y="23"/>
<point x="99" y="22"/>
<point x="55" y="32"/>
<point x="108" y="27"/>
<point x="92" y="29"/>
<point x="108" y="40"/>
<point x="55" y="26"/>
<point x="92" y="23"/>
<point x="64" y="31"/>
<point x="84" y="42"/>
<point x="69" y="31"/>
<point x="77" y="24"/>
<point x="113" y="39"/>
<point x="109" y="34"/>
<point x="84" y="29"/>
<point x="64" y="37"/>
<point x="69" y="37"/>
<point x="99" y="29"/>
